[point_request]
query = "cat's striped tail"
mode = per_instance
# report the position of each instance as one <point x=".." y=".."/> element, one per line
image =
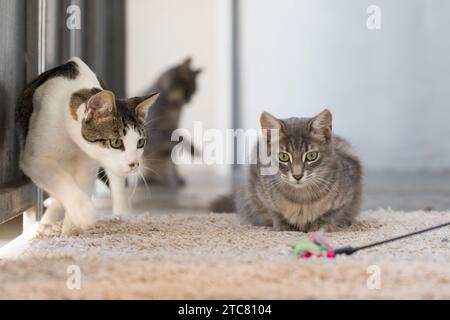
<point x="223" y="204"/>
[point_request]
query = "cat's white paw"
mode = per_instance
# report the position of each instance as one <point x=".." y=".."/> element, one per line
<point x="122" y="211"/>
<point x="68" y="227"/>
<point x="49" y="229"/>
<point x="82" y="216"/>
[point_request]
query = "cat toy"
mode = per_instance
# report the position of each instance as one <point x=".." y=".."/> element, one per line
<point x="319" y="246"/>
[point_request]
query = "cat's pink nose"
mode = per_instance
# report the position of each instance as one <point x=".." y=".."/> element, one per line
<point x="134" y="165"/>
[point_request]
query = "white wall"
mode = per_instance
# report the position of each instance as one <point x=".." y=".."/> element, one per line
<point x="389" y="90"/>
<point x="161" y="33"/>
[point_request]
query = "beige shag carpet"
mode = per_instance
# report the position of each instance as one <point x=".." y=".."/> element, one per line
<point x="211" y="256"/>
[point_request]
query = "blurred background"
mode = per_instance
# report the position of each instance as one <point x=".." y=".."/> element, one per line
<point x="387" y="86"/>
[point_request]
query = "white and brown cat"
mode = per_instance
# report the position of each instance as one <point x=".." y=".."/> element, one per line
<point x="69" y="126"/>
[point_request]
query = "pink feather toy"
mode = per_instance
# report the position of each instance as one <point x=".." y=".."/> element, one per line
<point x="319" y="246"/>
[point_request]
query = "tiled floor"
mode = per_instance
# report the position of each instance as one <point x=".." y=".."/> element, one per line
<point x="398" y="191"/>
<point x="407" y="191"/>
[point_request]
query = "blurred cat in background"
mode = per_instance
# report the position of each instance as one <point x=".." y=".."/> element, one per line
<point x="176" y="87"/>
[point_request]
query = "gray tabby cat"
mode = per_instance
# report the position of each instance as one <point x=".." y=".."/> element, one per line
<point x="176" y="87"/>
<point x="318" y="183"/>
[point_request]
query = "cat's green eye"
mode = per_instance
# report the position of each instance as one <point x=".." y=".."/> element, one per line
<point x="116" y="143"/>
<point x="141" y="143"/>
<point x="283" y="156"/>
<point x="311" y="156"/>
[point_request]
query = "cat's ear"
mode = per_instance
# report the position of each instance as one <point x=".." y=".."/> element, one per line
<point x="197" y="72"/>
<point x="320" y="126"/>
<point x="270" y="122"/>
<point x="187" y="62"/>
<point x="142" y="106"/>
<point x="100" y="104"/>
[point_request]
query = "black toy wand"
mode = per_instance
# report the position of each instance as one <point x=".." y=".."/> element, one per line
<point x="350" y="250"/>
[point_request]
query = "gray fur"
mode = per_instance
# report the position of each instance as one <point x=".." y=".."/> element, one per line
<point x="329" y="193"/>
<point x="223" y="204"/>
<point x="176" y="87"/>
